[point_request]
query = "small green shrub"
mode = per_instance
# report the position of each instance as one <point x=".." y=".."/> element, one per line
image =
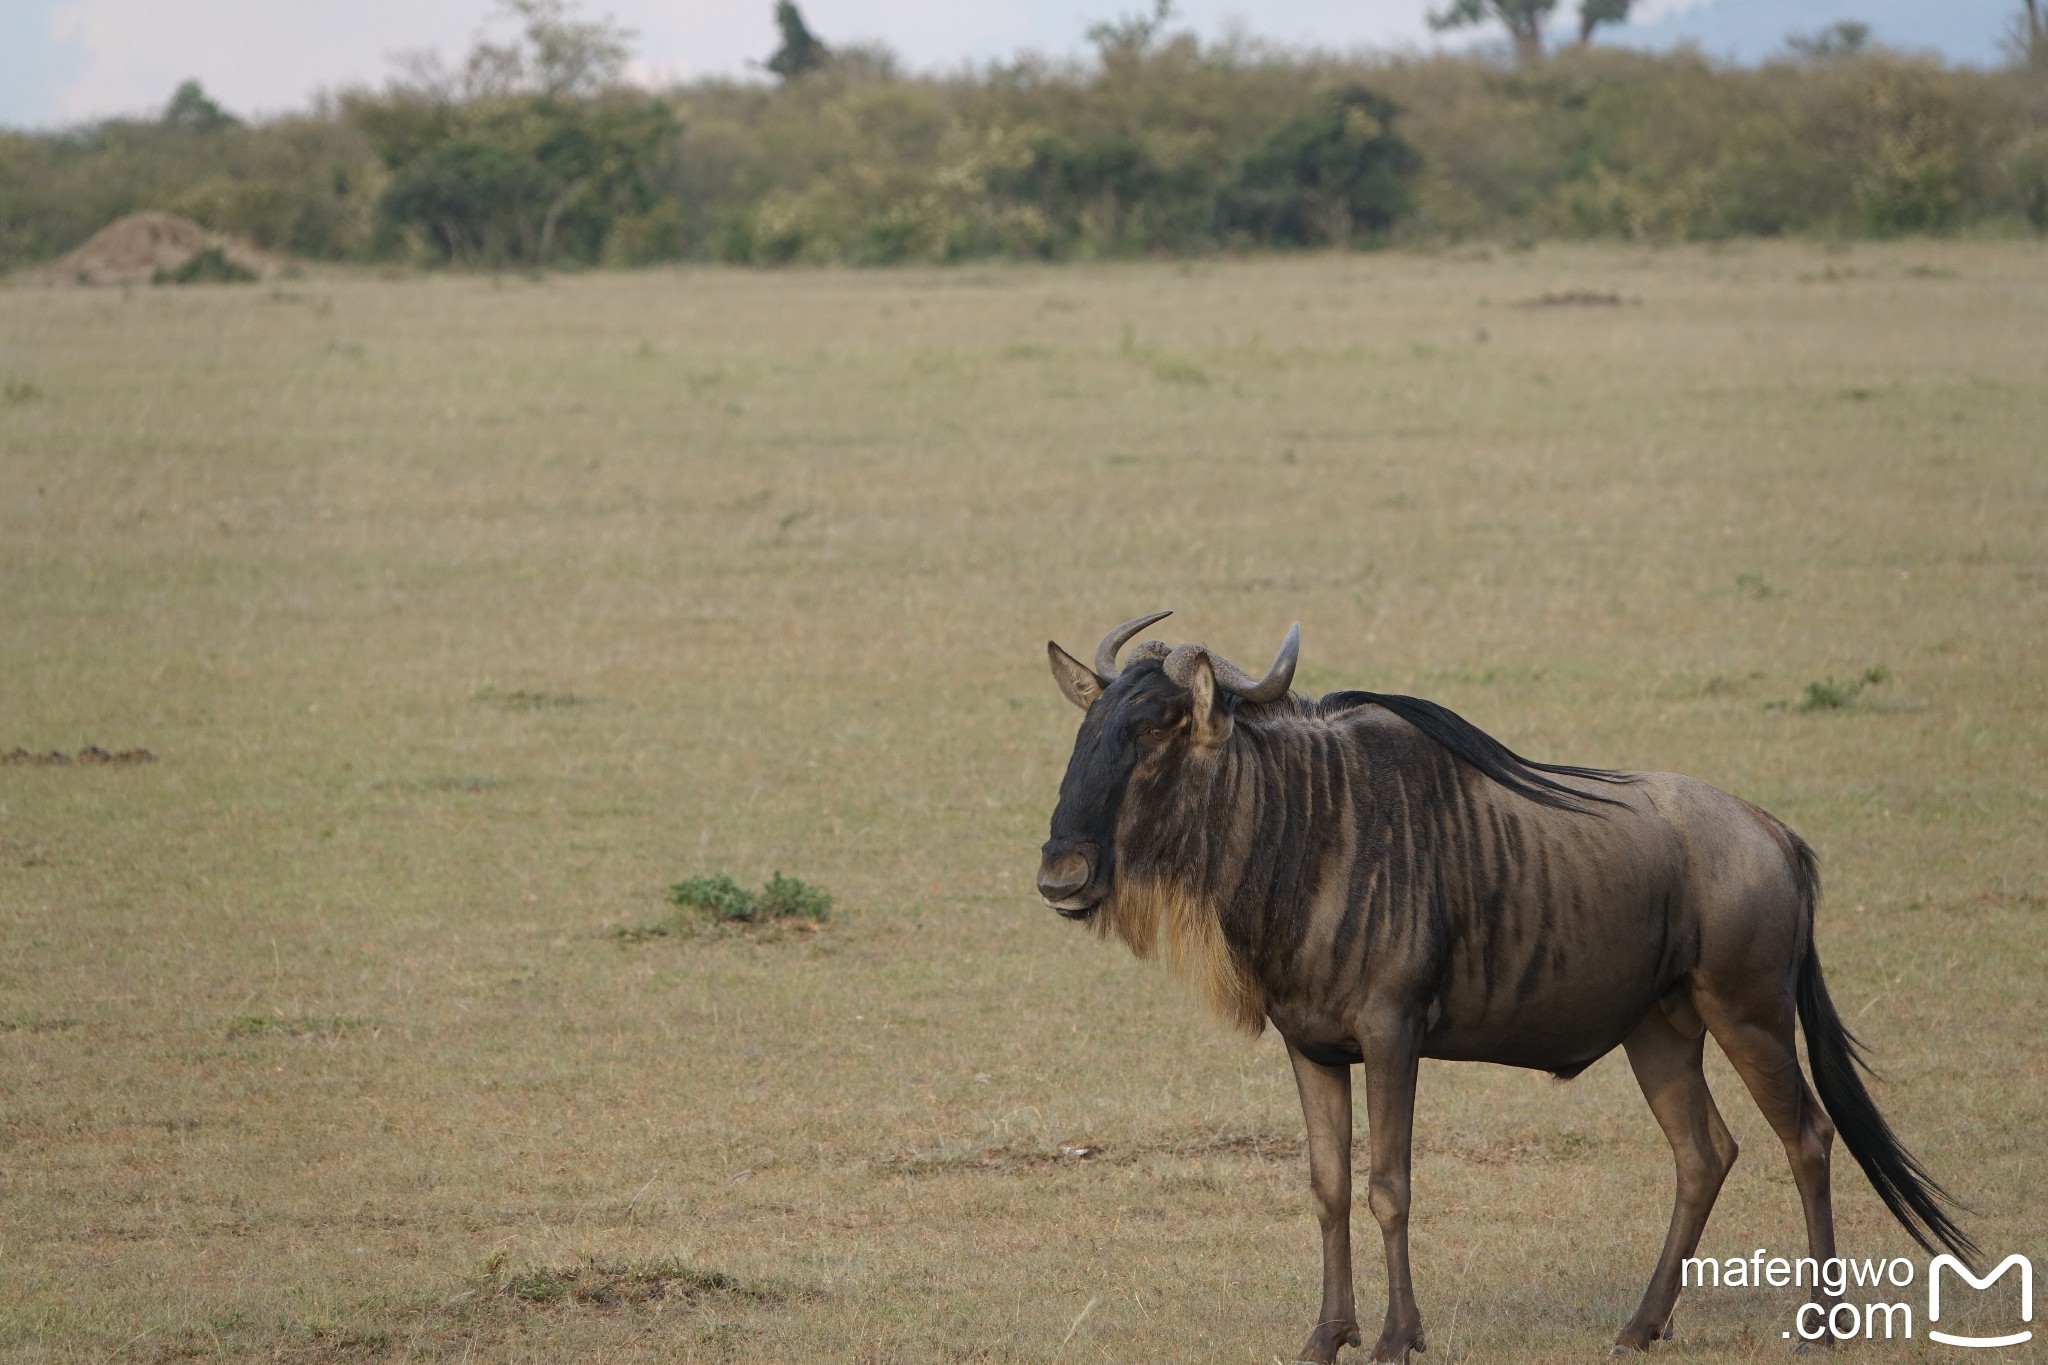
<point x="786" y="897"/>
<point x="718" y="896"/>
<point x="209" y="265"/>
<point x="723" y="900"/>
<point x="1755" y="586"/>
<point x="1830" y="695"/>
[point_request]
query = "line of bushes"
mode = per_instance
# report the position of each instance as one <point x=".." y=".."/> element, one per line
<point x="1163" y="145"/>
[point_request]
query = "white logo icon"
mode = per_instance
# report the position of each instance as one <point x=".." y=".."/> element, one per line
<point x="1934" y="1298"/>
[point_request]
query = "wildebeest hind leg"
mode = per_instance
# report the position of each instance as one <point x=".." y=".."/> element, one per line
<point x="1667" y="1067"/>
<point x="1326" y="1108"/>
<point x="1757" y="1037"/>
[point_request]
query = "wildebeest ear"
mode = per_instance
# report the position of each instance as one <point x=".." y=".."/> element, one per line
<point x="1078" y="683"/>
<point x="1209" y="720"/>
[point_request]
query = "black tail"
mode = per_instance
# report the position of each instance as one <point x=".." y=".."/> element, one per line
<point x="1834" y="1055"/>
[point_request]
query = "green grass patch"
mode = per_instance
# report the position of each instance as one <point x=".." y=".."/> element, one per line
<point x="1827" y="694"/>
<point x="209" y="265"/>
<point x="715" y="901"/>
<point x="722" y="899"/>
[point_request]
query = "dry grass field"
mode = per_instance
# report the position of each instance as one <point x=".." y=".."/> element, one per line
<point x="462" y="616"/>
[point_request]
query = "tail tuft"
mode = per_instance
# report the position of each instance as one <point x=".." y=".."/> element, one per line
<point x="1834" y="1055"/>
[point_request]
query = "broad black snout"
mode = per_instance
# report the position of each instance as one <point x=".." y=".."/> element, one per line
<point x="1064" y="873"/>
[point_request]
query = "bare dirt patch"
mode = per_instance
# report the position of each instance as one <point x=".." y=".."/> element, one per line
<point x="612" y="1284"/>
<point x="330" y="1026"/>
<point x="1015" y="1157"/>
<point x="89" y="756"/>
<point x="523" y="699"/>
<point x="1576" y="298"/>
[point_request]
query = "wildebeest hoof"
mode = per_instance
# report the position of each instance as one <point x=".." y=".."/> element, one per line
<point x="1325" y="1342"/>
<point x="1391" y="1349"/>
<point x="1634" y="1340"/>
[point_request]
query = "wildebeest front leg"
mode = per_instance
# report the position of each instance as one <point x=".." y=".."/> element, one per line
<point x="1326" y="1106"/>
<point x="1391" y="1058"/>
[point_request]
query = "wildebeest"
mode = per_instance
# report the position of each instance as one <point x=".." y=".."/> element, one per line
<point x="1382" y="882"/>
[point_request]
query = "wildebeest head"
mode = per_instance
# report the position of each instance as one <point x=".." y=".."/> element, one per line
<point x="1141" y="722"/>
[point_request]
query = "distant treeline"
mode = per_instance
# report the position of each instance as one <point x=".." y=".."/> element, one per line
<point x="536" y="153"/>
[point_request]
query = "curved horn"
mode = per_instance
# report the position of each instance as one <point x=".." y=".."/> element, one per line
<point x="1231" y="678"/>
<point x="1105" y="653"/>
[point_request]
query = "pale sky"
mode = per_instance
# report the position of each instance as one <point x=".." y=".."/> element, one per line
<point x="67" y="61"/>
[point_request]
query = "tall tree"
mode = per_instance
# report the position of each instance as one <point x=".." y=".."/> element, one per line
<point x="1593" y="13"/>
<point x="533" y="149"/>
<point x="1523" y="19"/>
<point x="2033" y="35"/>
<point x="1332" y="177"/>
<point x="1131" y="35"/>
<point x="191" y="107"/>
<point x="571" y="57"/>
<point x="1843" y="39"/>
<point x="801" y="50"/>
<point x="558" y="53"/>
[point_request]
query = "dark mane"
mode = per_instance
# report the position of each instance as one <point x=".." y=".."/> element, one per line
<point x="1473" y="746"/>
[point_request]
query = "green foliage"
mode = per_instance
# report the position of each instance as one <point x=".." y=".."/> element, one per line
<point x="722" y="900"/>
<point x="305" y="185"/>
<point x="644" y="238"/>
<point x="1326" y="178"/>
<point x="1829" y="695"/>
<point x="718" y="895"/>
<point x="531" y="152"/>
<point x="2024" y="165"/>
<point x="208" y="265"/>
<point x="528" y="178"/>
<point x="784" y="897"/>
<point x="469" y="194"/>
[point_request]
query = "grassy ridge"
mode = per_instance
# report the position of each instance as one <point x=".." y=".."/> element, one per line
<point x="465" y="617"/>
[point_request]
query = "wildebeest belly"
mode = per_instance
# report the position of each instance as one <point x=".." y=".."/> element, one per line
<point x="1566" y="1045"/>
<point x="1558" y="996"/>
